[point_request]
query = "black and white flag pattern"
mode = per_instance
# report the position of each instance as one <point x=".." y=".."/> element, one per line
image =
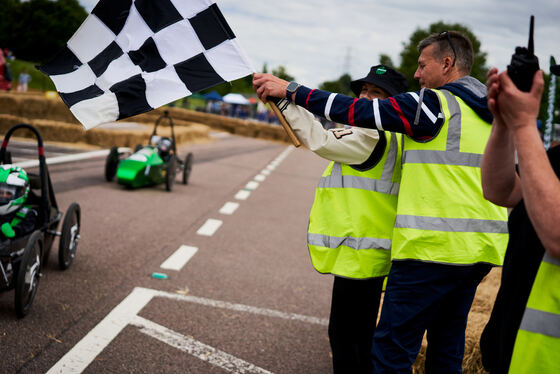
<point x="131" y="56"/>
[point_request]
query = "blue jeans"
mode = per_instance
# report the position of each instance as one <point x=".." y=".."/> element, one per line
<point x="425" y="296"/>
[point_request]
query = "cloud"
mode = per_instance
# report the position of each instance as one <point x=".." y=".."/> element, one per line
<point x="318" y="40"/>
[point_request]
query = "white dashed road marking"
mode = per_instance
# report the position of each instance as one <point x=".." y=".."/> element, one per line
<point x="252" y="185"/>
<point x="242" y="195"/>
<point x="178" y="259"/>
<point x="210" y="227"/>
<point x="229" y="208"/>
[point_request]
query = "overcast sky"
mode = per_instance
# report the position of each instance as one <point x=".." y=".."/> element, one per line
<point x="319" y="40"/>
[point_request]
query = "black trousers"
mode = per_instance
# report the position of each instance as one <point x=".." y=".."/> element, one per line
<point x="354" y="308"/>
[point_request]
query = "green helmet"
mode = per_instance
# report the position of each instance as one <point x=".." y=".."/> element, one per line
<point x="14" y="188"/>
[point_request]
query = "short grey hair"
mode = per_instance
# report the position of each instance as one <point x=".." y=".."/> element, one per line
<point x="464" y="55"/>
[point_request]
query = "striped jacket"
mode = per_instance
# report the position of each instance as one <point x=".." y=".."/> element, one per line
<point x="416" y="114"/>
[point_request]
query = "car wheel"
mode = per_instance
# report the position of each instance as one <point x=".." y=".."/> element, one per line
<point x="170" y="173"/>
<point x="29" y="273"/>
<point x="187" y="168"/>
<point x="111" y="164"/>
<point x="48" y="240"/>
<point x="70" y="237"/>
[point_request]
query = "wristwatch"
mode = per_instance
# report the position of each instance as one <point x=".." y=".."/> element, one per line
<point x="292" y="87"/>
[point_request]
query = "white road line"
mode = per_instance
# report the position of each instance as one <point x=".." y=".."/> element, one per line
<point x="210" y="227"/>
<point x="178" y="259"/>
<point x="35" y="151"/>
<point x="260" y="178"/>
<point x="265" y="172"/>
<point x="193" y="347"/>
<point x="83" y="353"/>
<point x="68" y="158"/>
<point x="91" y="345"/>
<point x="242" y="195"/>
<point x="252" y="185"/>
<point x="243" y="308"/>
<point x="271" y="167"/>
<point x="229" y="208"/>
<point x="220" y="135"/>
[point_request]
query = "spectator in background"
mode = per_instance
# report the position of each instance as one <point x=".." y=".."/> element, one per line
<point x="4" y="82"/>
<point x="9" y="55"/>
<point x="23" y="79"/>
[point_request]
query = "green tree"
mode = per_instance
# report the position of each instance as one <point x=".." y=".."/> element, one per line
<point x="410" y="54"/>
<point x="341" y="85"/>
<point x="36" y="30"/>
<point x="543" y="109"/>
<point x="281" y="72"/>
<point x="245" y="85"/>
<point x="386" y="60"/>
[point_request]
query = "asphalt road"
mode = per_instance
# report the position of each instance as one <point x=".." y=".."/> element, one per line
<point x="247" y="301"/>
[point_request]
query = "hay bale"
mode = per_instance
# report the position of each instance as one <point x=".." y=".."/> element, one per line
<point x="8" y="104"/>
<point x="37" y="107"/>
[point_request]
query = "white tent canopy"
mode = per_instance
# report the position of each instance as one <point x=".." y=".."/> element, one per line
<point x="235" y="98"/>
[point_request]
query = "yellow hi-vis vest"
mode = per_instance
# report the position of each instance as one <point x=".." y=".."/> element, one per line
<point x="352" y="217"/>
<point x="537" y="344"/>
<point x="442" y="216"/>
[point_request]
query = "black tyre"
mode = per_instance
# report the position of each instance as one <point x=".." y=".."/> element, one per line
<point x="187" y="168"/>
<point x="48" y="240"/>
<point x="28" y="275"/>
<point x="111" y="164"/>
<point x="170" y="173"/>
<point x="69" y="237"/>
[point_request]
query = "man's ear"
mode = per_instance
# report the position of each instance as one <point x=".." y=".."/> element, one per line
<point x="447" y="63"/>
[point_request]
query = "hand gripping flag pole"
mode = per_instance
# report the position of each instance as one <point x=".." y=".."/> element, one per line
<point x="285" y="124"/>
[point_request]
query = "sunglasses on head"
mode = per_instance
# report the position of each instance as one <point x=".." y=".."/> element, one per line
<point x="445" y="34"/>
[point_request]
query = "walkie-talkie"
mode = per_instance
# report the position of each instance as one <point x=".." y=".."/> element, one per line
<point x="524" y="64"/>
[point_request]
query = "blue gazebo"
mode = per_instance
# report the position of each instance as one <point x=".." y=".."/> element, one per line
<point x="213" y="96"/>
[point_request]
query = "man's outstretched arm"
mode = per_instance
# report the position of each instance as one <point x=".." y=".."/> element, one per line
<point x="396" y="114"/>
<point x="347" y="146"/>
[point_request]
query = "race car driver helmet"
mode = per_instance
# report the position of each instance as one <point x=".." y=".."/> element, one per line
<point x="164" y="146"/>
<point x="14" y="188"/>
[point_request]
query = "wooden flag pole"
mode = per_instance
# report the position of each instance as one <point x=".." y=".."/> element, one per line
<point x="285" y="124"/>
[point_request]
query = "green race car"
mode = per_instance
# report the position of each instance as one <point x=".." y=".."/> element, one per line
<point x="149" y="165"/>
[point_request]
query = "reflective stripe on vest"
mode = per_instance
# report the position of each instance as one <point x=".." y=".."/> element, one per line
<point x="451" y="224"/>
<point x="442" y="215"/>
<point x="538" y="340"/>
<point x="352" y="218"/>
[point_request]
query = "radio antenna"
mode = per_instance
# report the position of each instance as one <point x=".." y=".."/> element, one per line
<point x="531" y="46"/>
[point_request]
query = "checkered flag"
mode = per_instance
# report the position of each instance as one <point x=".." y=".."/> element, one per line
<point x="131" y="56"/>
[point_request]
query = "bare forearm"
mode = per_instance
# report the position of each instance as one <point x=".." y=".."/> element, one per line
<point x="500" y="182"/>
<point x="540" y="186"/>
